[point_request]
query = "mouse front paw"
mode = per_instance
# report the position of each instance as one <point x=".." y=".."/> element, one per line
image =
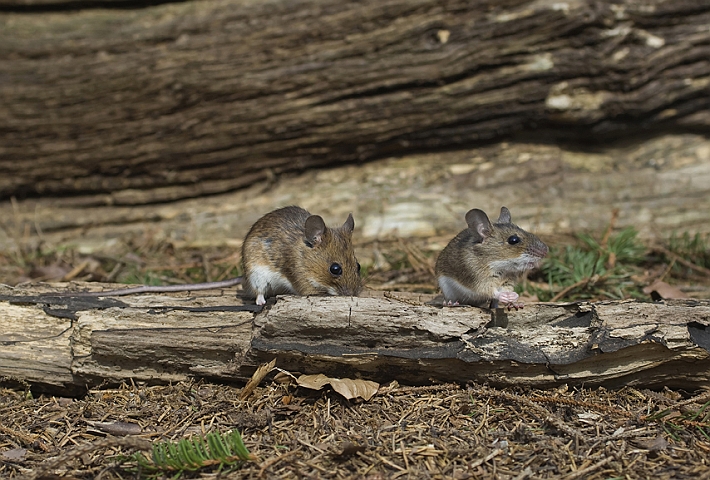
<point x="510" y="300"/>
<point x="260" y="300"/>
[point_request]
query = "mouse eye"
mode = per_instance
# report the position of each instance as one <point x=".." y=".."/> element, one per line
<point x="513" y="239"/>
<point x="336" y="269"/>
<point x="358" y="267"/>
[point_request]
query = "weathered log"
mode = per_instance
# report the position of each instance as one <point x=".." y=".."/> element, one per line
<point x="659" y="186"/>
<point x="181" y="100"/>
<point x="66" y="344"/>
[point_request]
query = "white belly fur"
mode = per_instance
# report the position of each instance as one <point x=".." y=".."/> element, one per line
<point x="265" y="281"/>
<point x="455" y="292"/>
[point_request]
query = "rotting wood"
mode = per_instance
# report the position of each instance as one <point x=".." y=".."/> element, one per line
<point x="66" y="344"/>
<point x="193" y="98"/>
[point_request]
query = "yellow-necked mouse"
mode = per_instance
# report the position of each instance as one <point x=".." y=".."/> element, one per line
<point x="482" y="264"/>
<point x="291" y="251"/>
<point x="286" y="251"/>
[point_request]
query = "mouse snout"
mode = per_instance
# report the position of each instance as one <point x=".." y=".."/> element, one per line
<point x="538" y="249"/>
<point x="350" y="290"/>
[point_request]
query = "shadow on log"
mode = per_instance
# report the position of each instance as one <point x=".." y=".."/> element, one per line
<point x="193" y="98"/>
<point x="66" y="344"/>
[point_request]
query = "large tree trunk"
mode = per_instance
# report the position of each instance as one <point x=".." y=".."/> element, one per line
<point x="66" y="344"/>
<point x="144" y="104"/>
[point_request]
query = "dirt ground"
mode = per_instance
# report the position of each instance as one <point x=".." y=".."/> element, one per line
<point x="442" y="431"/>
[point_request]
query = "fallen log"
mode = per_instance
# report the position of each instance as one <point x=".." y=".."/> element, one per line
<point x="171" y="101"/>
<point x="66" y="344"/>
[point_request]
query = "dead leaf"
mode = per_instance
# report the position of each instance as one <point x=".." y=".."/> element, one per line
<point x="350" y="388"/>
<point x="315" y="382"/>
<point x="349" y="449"/>
<point x="54" y="271"/>
<point x="526" y="298"/>
<point x="256" y="379"/>
<point x="651" y="444"/>
<point x="15" y="454"/>
<point x="347" y="387"/>
<point x="663" y="290"/>
<point x="118" y="429"/>
<point x="284" y="378"/>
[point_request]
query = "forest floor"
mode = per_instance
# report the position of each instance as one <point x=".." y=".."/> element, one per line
<point x="649" y="239"/>
<point x="439" y="431"/>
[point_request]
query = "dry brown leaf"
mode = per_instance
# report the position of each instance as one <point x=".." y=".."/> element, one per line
<point x="350" y="388"/>
<point x="14" y="454"/>
<point x="54" y="271"/>
<point x="315" y="382"/>
<point x="664" y="290"/>
<point x="652" y="444"/>
<point x="118" y="429"/>
<point x="349" y="449"/>
<point x="256" y="378"/>
<point x="347" y="387"/>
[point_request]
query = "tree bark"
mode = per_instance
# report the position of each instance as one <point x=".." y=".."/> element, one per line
<point x="67" y="344"/>
<point x="181" y="100"/>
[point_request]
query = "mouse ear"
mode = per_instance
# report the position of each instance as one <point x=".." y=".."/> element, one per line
<point x="349" y="224"/>
<point x="504" y="216"/>
<point x="479" y="224"/>
<point x="315" y="227"/>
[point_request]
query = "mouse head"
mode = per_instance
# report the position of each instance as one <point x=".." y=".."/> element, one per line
<point x="505" y="240"/>
<point x="330" y="260"/>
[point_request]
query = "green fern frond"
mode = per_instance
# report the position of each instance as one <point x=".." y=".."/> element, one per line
<point x="189" y="454"/>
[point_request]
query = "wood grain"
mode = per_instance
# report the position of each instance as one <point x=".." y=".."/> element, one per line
<point x="67" y="344"/>
<point x="182" y="100"/>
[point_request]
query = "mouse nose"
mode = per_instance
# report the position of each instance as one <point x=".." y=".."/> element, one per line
<point x="539" y="249"/>
<point x="351" y="291"/>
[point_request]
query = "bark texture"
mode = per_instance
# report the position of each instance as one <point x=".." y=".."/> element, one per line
<point x="66" y="344"/>
<point x="181" y="100"/>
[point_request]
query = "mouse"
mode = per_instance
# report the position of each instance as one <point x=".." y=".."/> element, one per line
<point x="287" y="251"/>
<point x="291" y="251"/>
<point x="483" y="263"/>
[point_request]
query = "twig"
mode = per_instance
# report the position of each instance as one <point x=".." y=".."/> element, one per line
<point x="549" y="417"/>
<point x="609" y="228"/>
<point x="273" y="461"/>
<point x="577" y="403"/>
<point x="489" y="457"/>
<point x="583" y="472"/>
<point x="681" y="260"/>
<point x="667" y="270"/>
<point x="566" y="290"/>
<point x="390" y="295"/>
<point x="700" y="399"/>
<point x="24" y="438"/>
<point x="426" y="388"/>
<point x="584" y="281"/>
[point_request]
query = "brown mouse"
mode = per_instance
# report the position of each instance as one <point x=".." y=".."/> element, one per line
<point x="482" y="264"/>
<point x="291" y="251"/>
<point x="286" y="251"/>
